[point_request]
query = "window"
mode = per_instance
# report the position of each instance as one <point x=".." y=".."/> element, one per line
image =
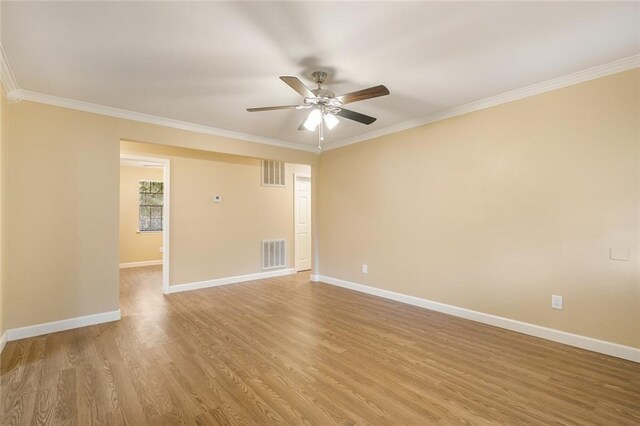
<point x="150" y="200"/>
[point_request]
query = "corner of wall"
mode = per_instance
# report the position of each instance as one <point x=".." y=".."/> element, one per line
<point x="3" y="216"/>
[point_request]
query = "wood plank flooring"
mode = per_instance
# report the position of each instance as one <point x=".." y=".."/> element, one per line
<point x="287" y="351"/>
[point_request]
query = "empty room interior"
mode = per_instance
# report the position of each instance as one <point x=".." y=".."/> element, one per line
<point x="383" y="213"/>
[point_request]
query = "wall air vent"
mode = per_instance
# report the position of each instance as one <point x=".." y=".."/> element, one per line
<point x="273" y="254"/>
<point x="272" y="173"/>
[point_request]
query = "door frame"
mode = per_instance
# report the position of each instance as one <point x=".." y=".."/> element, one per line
<point x="295" y="204"/>
<point x="166" y="209"/>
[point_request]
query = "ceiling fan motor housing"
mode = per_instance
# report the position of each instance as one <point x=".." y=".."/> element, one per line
<point x="319" y="76"/>
<point x="323" y="93"/>
<point x="325" y="100"/>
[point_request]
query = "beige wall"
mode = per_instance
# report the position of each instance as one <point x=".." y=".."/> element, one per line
<point x="492" y="211"/>
<point x="63" y="206"/>
<point x="217" y="240"/>
<point x="63" y="215"/>
<point x="136" y="246"/>
<point x="497" y="210"/>
<point x="3" y="207"/>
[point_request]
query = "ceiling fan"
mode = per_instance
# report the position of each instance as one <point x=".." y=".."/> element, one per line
<point x="325" y="105"/>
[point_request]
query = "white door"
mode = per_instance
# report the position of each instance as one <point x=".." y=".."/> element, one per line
<point x="302" y="223"/>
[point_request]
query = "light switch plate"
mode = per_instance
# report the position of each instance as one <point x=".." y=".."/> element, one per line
<point x="365" y="268"/>
<point x="619" y="253"/>
<point x="556" y="301"/>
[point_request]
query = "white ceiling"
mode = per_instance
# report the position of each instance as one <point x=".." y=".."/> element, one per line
<point x="205" y="63"/>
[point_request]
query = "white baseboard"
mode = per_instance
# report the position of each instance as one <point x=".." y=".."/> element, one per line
<point x="314" y="278"/>
<point x="229" y="280"/>
<point x="3" y="341"/>
<point x="595" y="345"/>
<point x="62" y="325"/>
<point x="142" y="263"/>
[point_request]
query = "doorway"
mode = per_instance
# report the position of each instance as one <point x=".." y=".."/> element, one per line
<point x="144" y="213"/>
<point x="302" y="221"/>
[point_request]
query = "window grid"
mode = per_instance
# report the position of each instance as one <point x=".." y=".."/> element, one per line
<point x="150" y="202"/>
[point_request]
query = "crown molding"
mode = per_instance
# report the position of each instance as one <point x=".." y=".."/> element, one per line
<point x="8" y="80"/>
<point x="26" y="95"/>
<point x="532" y="90"/>
<point x="16" y="94"/>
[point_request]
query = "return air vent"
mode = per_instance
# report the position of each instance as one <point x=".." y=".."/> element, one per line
<point x="272" y="173"/>
<point x="273" y="254"/>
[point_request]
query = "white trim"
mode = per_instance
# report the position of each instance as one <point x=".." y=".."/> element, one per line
<point x="141" y="263"/>
<point x="293" y="240"/>
<point x="3" y="341"/>
<point x="42" y="98"/>
<point x="525" y="92"/>
<point x="67" y="324"/>
<point x="166" y="212"/>
<point x="7" y="77"/>
<point x="595" y="345"/>
<point x="230" y="280"/>
<point x="314" y="278"/>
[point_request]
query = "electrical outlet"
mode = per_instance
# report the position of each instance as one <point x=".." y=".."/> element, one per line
<point x="556" y="301"/>
<point x="619" y="253"/>
<point x="365" y="268"/>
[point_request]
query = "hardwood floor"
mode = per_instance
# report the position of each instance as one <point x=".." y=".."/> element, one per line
<point x="285" y="350"/>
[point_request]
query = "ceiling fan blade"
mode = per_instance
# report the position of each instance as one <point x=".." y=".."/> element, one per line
<point x="361" y="95"/>
<point x="355" y="116"/>
<point x="272" y="108"/>
<point x="298" y="86"/>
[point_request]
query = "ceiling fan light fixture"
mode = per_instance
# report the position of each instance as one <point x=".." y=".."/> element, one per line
<point x="331" y="121"/>
<point x="325" y="105"/>
<point x="312" y="121"/>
